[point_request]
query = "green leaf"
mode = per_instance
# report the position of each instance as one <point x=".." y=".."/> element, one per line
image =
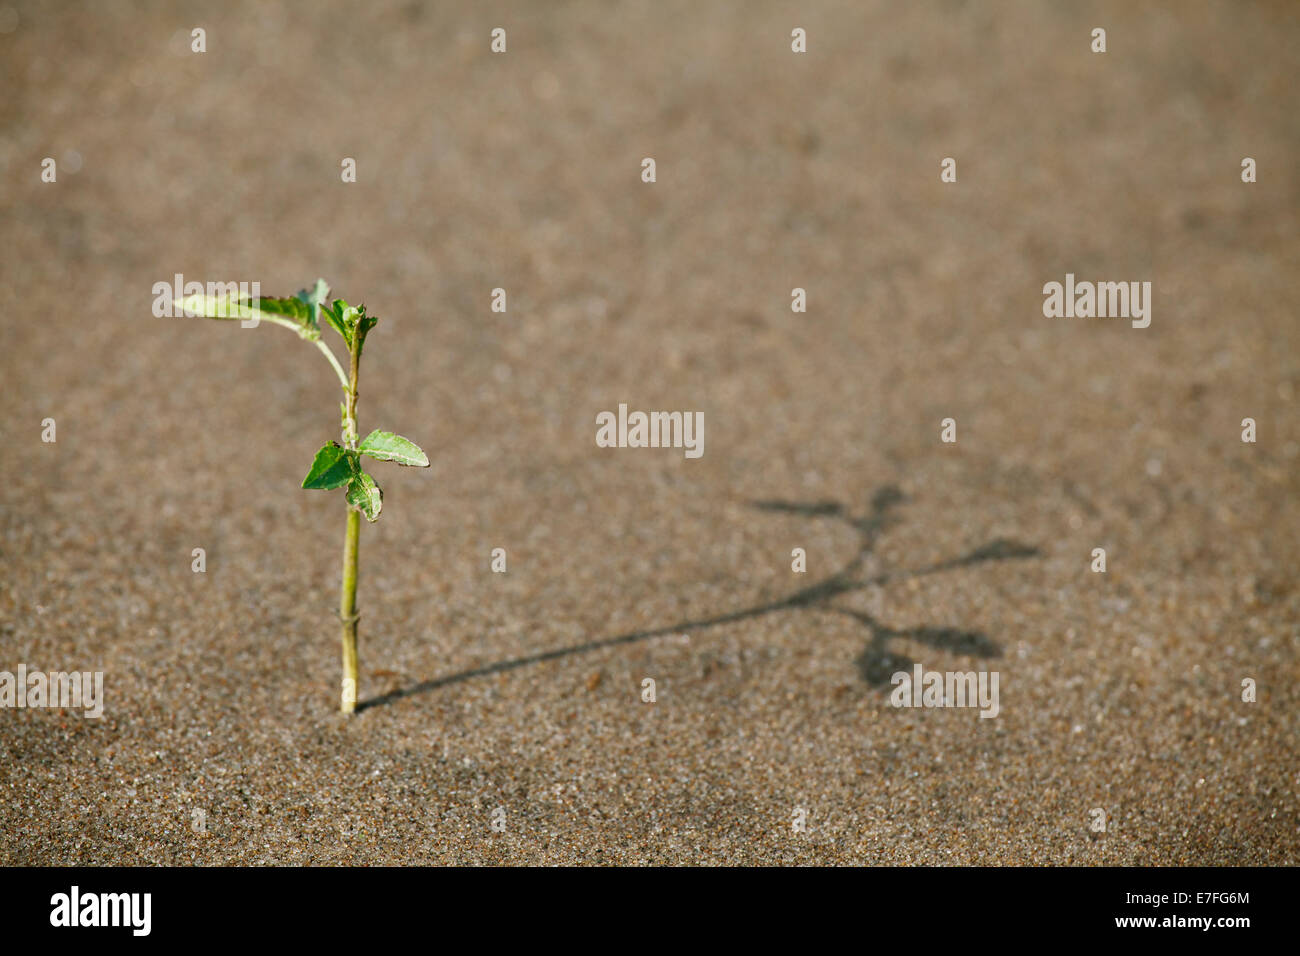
<point x="313" y="298"/>
<point x="365" y="322"/>
<point x="389" y="447"/>
<point x="334" y="467"/>
<point x="340" y="316"/>
<point x="291" y="311"/>
<point x="333" y="314"/>
<point x="290" y="308"/>
<point x="365" y="496"/>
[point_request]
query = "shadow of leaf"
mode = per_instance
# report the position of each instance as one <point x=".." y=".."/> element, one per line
<point x="954" y="641"/>
<point x="877" y="666"/>
<point x="809" y="509"/>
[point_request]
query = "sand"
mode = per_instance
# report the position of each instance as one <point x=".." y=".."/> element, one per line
<point x="505" y="720"/>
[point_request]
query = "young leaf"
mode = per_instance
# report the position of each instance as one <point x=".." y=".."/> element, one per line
<point x="350" y="321"/>
<point x="334" y="313"/>
<point x="313" y="298"/>
<point x="364" y="324"/>
<point x="340" y="316"/>
<point x="334" y="467"/>
<point x="386" y="446"/>
<point x="291" y="308"/>
<point x="229" y="307"/>
<point x="365" y="496"/>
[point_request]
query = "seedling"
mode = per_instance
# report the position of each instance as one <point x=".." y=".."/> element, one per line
<point x="338" y="463"/>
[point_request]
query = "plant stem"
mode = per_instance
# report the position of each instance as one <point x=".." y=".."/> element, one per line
<point x="348" y="612"/>
<point x="348" y="597"/>
<point x="350" y="426"/>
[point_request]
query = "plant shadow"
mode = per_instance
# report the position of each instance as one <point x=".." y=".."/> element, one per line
<point x="875" y="664"/>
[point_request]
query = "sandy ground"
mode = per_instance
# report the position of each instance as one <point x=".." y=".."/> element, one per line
<point x="1121" y="691"/>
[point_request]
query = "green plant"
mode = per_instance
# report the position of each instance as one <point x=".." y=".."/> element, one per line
<point x="337" y="464"/>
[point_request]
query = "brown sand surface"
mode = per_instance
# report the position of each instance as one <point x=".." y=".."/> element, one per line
<point x="1119" y="691"/>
